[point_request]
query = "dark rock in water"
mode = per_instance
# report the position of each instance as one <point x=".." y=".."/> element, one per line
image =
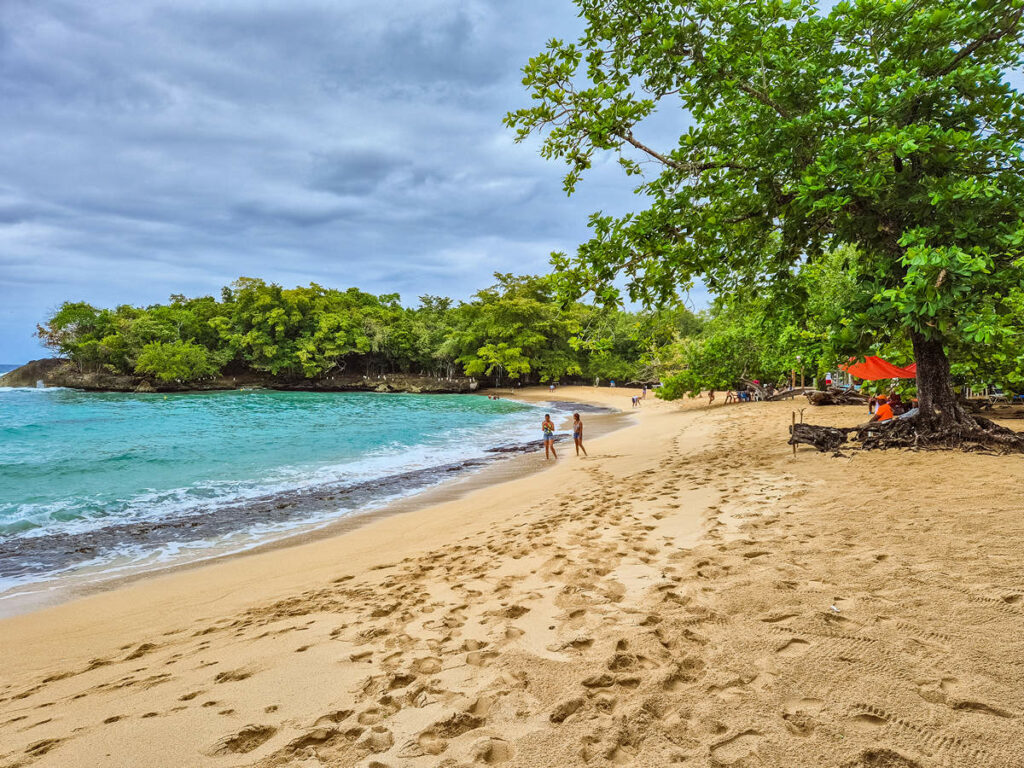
<point x="56" y="372"/>
<point x="58" y="551"/>
<point x="516" y="447"/>
<point x="564" y="406"/>
<point x="28" y="374"/>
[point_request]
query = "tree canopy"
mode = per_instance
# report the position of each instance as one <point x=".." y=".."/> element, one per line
<point x="516" y="329"/>
<point x="886" y="125"/>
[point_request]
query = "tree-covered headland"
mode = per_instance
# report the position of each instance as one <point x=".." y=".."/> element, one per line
<point x="887" y="131"/>
<point x="515" y="330"/>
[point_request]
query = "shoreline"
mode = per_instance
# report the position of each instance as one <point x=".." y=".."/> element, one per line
<point x="694" y="593"/>
<point x="461" y="492"/>
<point x="58" y="372"/>
<point x="503" y="463"/>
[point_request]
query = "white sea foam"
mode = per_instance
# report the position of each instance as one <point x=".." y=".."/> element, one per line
<point x="458" y="445"/>
<point x="39" y="390"/>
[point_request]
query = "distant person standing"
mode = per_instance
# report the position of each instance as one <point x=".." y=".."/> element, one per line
<point x="548" y="427"/>
<point x="577" y="434"/>
<point x="711" y="397"/>
<point x="643" y="392"/>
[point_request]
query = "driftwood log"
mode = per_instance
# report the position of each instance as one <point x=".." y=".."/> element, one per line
<point x="836" y="397"/>
<point x="994" y="410"/>
<point x="776" y="394"/>
<point x="788" y="394"/>
<point x="823" y="438"/>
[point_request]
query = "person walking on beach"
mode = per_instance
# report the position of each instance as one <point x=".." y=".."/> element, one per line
<point x="548" y="427"/>
<point x="577" y="434"/>
<point x="711" y="397"/>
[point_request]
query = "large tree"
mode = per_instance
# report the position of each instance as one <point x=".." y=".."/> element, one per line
<point x="516" y="329"/>
<point x="888" y="125"/>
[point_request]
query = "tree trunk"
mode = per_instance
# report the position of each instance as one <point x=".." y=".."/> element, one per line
<point x="943" y="422"/>
<point x="936" y="399"/>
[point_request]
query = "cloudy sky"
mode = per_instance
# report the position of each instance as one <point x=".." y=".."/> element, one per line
<point x="153" y="147"/>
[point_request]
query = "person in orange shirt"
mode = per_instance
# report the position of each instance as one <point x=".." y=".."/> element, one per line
<point x="882" y="413"/>
<point x="884" y="410"/>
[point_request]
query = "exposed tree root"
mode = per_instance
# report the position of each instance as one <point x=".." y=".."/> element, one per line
<point x="976" y="434"/>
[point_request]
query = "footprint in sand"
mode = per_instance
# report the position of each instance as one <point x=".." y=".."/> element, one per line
<point x="245" y="740"/>
<point x="565" y="709"/>
<point x="427" y="666"/>
<point x="480" y="658"/>
<point x="331" y="718"/>
<point x="39" y="748"/>
<point x="371" y="716"/>
<point x="235" y="675"/>
<point x="735" y="748"/>
<point x="880" y="758"/>
<point x="378" y="739"/>
<point x="868" y="721"/>
<point x="427" y="743"/>
<point x="492" y="751"/>
<point x="793" y="647"/>
<point x="397" y="681"/>
<point x="982" y="708"/>
<point x="801" y="715"/>
<point x="937" y="691"/>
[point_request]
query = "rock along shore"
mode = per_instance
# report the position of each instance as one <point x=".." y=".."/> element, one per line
<point x="55" y="372"/>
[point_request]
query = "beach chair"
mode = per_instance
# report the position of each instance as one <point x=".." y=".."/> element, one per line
<point x="997" y="396"/>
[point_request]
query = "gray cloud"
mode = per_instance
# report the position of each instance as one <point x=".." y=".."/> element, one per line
<point x="163" y="146"/>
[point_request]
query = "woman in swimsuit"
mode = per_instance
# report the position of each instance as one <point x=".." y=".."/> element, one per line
<point x="577" y="434"/>
<point x="549" y="437"/>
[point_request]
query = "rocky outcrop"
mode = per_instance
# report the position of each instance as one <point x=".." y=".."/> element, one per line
<point x="63" y="373"/>
<point x="30" y="373"/>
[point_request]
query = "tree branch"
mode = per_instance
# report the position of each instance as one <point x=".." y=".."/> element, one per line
<point x="628" y="137"/>
<point x="763" y="97"/>
<point x="991" y="37"/>
<point x="689" y="168"/>
<point x="747" y="88"/>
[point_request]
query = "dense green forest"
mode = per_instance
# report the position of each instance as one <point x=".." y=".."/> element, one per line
<point x="513" y="330"/>
<point x="516" y="330"/>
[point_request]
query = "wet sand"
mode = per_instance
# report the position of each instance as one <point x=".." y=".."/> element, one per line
<point x="692" y="594"/>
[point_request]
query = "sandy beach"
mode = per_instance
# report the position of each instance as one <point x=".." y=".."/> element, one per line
<point x="692" y="594"/>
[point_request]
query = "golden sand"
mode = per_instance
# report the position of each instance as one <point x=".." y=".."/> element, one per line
<point x="692" y="595"/>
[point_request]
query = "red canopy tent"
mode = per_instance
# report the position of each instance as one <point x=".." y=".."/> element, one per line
<point x="876" y="369"/>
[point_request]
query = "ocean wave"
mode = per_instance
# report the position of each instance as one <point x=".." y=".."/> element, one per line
<point x="33" y="389"/>
<point x="84" y="513"/>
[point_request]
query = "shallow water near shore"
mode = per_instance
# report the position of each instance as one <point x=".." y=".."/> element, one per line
<point x="108" y="483"/>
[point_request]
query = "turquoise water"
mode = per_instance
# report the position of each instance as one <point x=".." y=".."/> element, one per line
<point x="109" y="466"/>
